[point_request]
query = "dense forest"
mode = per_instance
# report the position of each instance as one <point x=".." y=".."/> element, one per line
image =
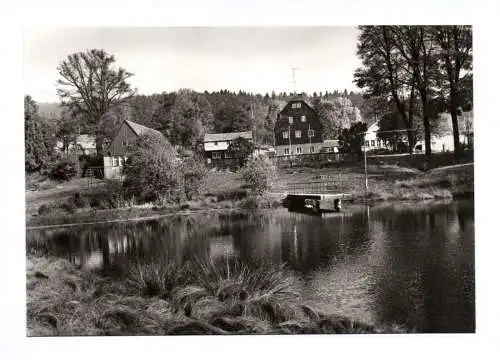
<point x="184" y="116"/>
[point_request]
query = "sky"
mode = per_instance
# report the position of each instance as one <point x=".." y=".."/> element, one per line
<point x="252" y="59"/>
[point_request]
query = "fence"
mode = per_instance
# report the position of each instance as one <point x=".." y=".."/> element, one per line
<point x="313" y="160"/>
<point x="314" y="187"/>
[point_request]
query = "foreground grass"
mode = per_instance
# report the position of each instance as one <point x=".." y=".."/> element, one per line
<point x="168" y="299"/>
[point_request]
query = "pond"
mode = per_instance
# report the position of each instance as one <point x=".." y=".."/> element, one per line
<point x="407" y="263"/>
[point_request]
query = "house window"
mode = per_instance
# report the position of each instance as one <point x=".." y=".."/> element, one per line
<point x="299" y="150"/>
<point x="124" y="143"/>
<point x="215" y="143"/>
<point x="120" y="161"/>
<point x="367" y="143"/>
<point x="378" y="143"/>
<point x="373" y="143"/>
<point x="114" y="161"/>
<point x="312" y="149"/>
<point x="285" y="134"/>
<point x="296" y="105"/>
<point x="287" y="151"/>
<point x="298" y="133"/>
<point x="216" y="155"/>
<point x="303" y="118"/>
<point x="290" y="119"/>
<point x="311" y="132"/>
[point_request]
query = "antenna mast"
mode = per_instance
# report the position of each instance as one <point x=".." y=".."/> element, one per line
<point x="293" y="75"/>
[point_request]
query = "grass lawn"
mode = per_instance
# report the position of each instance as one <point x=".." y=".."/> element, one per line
<point x="388" y="179"/>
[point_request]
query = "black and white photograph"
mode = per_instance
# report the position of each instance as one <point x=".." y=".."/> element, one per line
<point x="306" y="179"/>
<point x="249" y="180"/>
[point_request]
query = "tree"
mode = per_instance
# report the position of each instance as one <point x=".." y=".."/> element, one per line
<point x="385" y="75"/>
<point x="352" y="139"/>
<point x="455" y="57"/>
<point x="90" y="86"/>
<point x="67" y="130"/>
<point x="153" y="171"/>
<point x="232" y="117"/>
<point x="417" y="48"/>
<point x="240" y="149"/>
<point x="259" y="174"/>
<point x="36" y="153"/>
<point x="183" y="117"/>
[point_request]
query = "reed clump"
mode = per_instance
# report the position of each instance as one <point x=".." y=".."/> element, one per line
<point x="203" y="296"/>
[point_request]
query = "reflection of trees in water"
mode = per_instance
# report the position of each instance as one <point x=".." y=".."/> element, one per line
<point x="303" y="242"/>
<point x="424" y="276"/>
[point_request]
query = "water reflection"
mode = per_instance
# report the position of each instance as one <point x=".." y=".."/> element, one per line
<point x="407" y="264"/>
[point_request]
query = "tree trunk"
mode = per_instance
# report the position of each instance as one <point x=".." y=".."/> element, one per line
<point x="427" y="126"/>
<point x="99" y="140"/>
<point x="454" y="120"/>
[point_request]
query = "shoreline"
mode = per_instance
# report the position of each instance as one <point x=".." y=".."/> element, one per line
<point x="449" y="182"/>
<point x="162" y="214"/>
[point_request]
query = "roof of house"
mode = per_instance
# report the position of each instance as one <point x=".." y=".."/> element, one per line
<point x="228" y="136"/>
<point x="370" y="122"/>
<point x="141" y="130"/>
<point x="298" y="97"/>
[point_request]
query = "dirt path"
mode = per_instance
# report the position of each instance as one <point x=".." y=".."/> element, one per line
<point x="450" y="167"/>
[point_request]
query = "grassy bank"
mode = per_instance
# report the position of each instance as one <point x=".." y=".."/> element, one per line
<point x="163" y="298"/>
<point x="74" y="202"/>
<point x="67" y="213"/>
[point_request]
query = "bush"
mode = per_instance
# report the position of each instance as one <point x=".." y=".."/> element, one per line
<point x="194" y="171"/>
<point x="44" y="209"/>
<point x="233" y="195"/>
<point x="63" y="170"/>
<point x="154" y="171"/>
<point x="259" y="174"/>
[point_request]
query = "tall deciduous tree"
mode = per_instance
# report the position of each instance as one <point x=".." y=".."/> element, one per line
<point x="416" y="46"/>
<point x="455" y="57"/>
<point x="36" y="153"/>
<point x="384" y="74"/>
<point x="90" y="86"/>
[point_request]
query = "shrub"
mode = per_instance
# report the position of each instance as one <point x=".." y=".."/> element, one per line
<point x="194" y="170"/>
<point x="63" y="170"/>
<point x="240" y="149"/>
<point x="259" y="174"/>
<point x="233" y="195"/>
<point x="153" y="171"/>
<point x="44" y="209"/>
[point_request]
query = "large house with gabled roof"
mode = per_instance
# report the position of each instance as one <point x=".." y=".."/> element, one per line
<point x="298" y="129"/>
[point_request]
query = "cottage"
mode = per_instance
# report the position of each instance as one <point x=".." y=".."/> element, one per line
<point x="298" y="129"/>
<point x="117" y="150"/>
<point x="216" y="145"/>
